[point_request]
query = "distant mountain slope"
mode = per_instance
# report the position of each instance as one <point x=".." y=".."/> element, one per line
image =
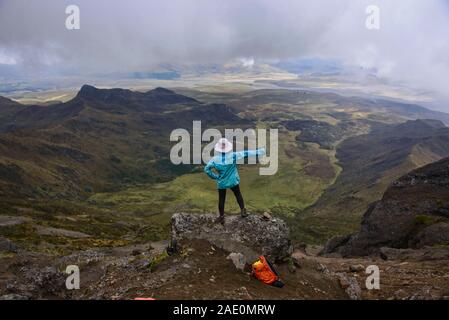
<point x="413" y="110"/>
<point x="370" y="162"/>
<point x="310" y="103"/>
<point x="100" y="140"/>
<point x="367" y="157"/>
<point x="413" y="212"/>
<point x="154" y="99"/>
<point x="8" y="107"/>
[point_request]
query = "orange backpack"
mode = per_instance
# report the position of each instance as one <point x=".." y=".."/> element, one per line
<point x="262" y="270"/>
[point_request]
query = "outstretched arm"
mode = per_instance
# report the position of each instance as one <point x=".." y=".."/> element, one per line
<point x="208" y="169"/>
<point x="249" y="153"/>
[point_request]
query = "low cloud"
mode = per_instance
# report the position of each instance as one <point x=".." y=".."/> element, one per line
<point x="115" y="36"/>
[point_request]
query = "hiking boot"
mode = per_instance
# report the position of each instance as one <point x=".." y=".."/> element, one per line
<point x="244" y="213"/>
<point x="220" y="219"/>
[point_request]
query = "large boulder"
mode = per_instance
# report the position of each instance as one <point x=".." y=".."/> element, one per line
<point x="36" y="281"/>
<point x="251" y="236"/>
<point x="413" y="213"/>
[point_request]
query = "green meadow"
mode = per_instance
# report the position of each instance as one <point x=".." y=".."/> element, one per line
<point x="290" y="189"/>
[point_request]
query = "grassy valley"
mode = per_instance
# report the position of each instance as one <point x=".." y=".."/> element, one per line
<point x="99" y="163"/>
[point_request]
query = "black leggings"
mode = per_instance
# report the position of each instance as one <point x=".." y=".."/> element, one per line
<point x="222" y="198"/>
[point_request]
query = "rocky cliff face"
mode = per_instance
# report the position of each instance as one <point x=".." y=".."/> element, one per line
<point x="413" y="213"/>
<point x="251" y="236"/>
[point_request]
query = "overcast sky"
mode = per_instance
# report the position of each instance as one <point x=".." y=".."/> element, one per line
<point x="412" y="44"/>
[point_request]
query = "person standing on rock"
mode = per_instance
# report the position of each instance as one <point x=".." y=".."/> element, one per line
<point x="223" y="169"/>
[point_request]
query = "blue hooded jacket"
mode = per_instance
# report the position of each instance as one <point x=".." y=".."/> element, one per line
<point x="225" y="165"/>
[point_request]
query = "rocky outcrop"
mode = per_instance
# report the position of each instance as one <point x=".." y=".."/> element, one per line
<point x="37" y="282"/>
<point x="350" y="285"/>
<point x="238" y="260"/>
<point x="251" y="236"/>
<point x="413" y="213"/>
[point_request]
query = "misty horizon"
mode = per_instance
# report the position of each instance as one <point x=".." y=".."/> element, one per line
<point x="167" y="40"/>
